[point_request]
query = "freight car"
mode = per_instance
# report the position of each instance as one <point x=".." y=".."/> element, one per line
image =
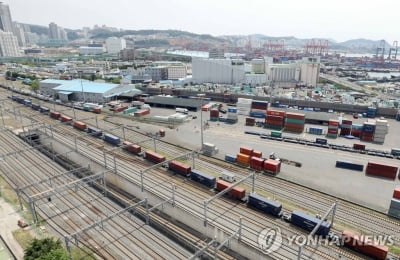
<point x="111" y="139"/>
<point x="27" y="102"/>
<point x="265" y="205"/>
<point x="308" y="223"/>
<point x="94" y="131"/>
<point x="65" y="118"/>
<point x="133" y="148"/>
<point x="237" y="192"/>
<point x="55" y="115"/>
<point x="80" y="125"/>
<point x="364" y="245"/>
<point x="44" y="110"/>
<point x="35" y="106"/>
<point x="179" y="168"/>
<point x="202" y="178"/>
<point x="154" y="157"/>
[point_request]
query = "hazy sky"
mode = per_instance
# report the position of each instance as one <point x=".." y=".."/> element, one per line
<point x="337" y="19"/>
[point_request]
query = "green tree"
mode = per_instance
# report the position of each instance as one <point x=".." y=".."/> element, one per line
<point x="45" y="249"/>
<point x="35" y="86"/>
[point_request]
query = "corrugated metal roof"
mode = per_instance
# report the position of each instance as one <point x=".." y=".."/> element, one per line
<point x="78" y="85"/>
<point x="65" y="92"/>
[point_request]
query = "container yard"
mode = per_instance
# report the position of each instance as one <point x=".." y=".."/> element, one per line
<point x="272" y="200"/>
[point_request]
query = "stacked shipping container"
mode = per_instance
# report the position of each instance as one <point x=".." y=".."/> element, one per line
<point x="294" y="122"/>
<point x="368" y="131"/>
<point x="333" y="128"/>
<point x="244" y="106"/>
<point x="232" y="116"/>
<point x="258" y="108"/>
<point x="345" y="128"/>
<point x="275" y="119"/>
<point x="381" y="130"/>
<point x="316" y="130"/>
<point x="214" y="114"/>
<point x="356" y="130"/>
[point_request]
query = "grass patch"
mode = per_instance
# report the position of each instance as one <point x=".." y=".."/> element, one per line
<point x="23" y="236"/>
<point x="82" y="253"/>
<point x="394" y="249"/>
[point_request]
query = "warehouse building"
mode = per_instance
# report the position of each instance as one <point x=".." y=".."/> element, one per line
<point x="83" y="90"/>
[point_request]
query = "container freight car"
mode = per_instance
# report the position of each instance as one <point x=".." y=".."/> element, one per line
<point x="230" y="158"/>
<point x="308" y="223"/>
<point x="272" y="166"/>
<point x="350" y="165"/>
<point x="35" y="106"/>
<point x="27" y="102"/>
<point x="202" y="178"/>
<point x="246" y="150"/>
<point x="179" y="168"/>
<point x="256" y="163"/>
<point x="265" y="205"/>
<point x="359" y="146"/>
<point x="94" y="131"/>
<point x="65" y="118"/>
<point x="111" y="139"/>
<point x="80" y="125"/>
<point x="364" y="245"/>
<point x="44" y="110"/>
<point x="154" y="157"/>
<point x="55" y="115"/>
<point x="382" y="170"/>
<point x="321" y="141"/>
<point x="133" y="148"/>
<point x="237" y="192"/>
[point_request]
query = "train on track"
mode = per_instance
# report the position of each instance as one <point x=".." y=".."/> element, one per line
<point x="253" y="200"/>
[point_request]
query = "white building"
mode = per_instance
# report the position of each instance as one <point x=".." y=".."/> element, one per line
<point x="8" y="45"/>
<point x="19" y="32"/>
<point x="31" y="38"/>
<point x="115" y="45"/>
<point x="176" y="72"/>
<point x="5" y="18"/>
<point x="283" y="72"/>
<point x="221" y="71"/>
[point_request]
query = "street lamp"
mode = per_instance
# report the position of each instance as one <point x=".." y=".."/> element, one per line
<point x="201" y="96"/>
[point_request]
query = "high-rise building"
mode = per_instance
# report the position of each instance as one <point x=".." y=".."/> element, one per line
<point x="8" y="45"/>
<point x="19" y="32"/>
<point x="5" y="18"/>
<point x="115" y="45"/>
<point x="53" y="31"/>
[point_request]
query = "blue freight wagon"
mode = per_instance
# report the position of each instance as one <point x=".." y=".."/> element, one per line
<point x="308" y="223"/>
<point x="230" y="158"/>
<point x="94" y="131"/>
<point x="27" y="102"/>
<point x="202" y="178"/>
<point x="265" y="205"/>
<point x="112" y="139"/>
<point x="35" y="106"/>
<point x="321" y="141"/>
<point x="350" y="165"/>
<point x="44" y="110"/>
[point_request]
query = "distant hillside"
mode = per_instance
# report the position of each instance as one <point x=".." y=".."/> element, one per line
<point x="362" y="44"/>
<point x="39" y="29"/>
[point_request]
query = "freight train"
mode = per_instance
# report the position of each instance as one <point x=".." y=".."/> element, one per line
<point x="254" y="200"/>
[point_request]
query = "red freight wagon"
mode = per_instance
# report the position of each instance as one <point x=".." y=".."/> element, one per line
<point x="246" y="150"/>
<point x="364" y="245"/>
<point x="55" y="115"/>
<point x="359" y="146"/>
<point x="134" y="148"/>
<point x="256" y="163"/>
<point x="97" y="110"/>
<point x="276" y="112"/>
<point x="295" y="116"/>
<point x="273" y="166"/>
<point x="154" y="157"/>
<point x="65" y="118"/>
<point x="80" y="125"/>
<point x="383" y="170"/>
<point x="120" y="109"/>
<point x="180" y="168"/>
<point x="237" y="192"/>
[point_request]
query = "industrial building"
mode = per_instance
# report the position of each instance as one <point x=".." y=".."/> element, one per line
<point x="222" y="71"/>
<point x="115" y="44"/>
<point x="83" y="90"/>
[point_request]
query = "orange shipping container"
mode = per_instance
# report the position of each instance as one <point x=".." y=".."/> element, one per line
<point x="243" y="159"/>
<point x="246" y="150"/>
<point x="396" y="193"/>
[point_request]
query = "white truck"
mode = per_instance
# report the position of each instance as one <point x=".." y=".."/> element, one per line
<point x="181" y="110"/>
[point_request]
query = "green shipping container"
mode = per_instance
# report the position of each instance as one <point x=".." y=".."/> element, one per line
<point x="129" y="110"/>
<point x="276" y="133"/>
<point x="294" y="121"/>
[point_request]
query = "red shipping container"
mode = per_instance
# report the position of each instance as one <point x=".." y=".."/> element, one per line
<point x="359" y="146"/>
<point x="55" y="115"/>
<point x="295" y="116"/>
<point x="246" y="150"/>
<point x="333" y="122"/>
<point x="154" y="157"/>
<point x="256" y="153"/>
<point x="134" y="148"/>
<point x="214" y="113"/>
<point x="276" y="112"/>
<point x="256" y="163"/>
<point x="179" y="167"/>
<point x="250" y="120"/>
<point x="65" y="118"/>
<point x="97" y="110"/>
<point x="120" y="109"/>
<point x="295" y="126"/>
<point x="272" y="166"/>
<point x="237" y="192"/>
<point x="396" y="193"/>
<point x="333" y="131"/>
<point x="296" y="130"/>
<point x="383" y="170"/>
<point x="347" y="122"/>
<point x="80" y="125"/>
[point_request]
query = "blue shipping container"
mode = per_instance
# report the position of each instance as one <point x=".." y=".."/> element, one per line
<point x="257" y="114"/>
<point x="230" y="158"/>
<point x="264" y="204"/>
<point x="35" y="106"/>
<point x="112" y="139"/>
<point x="350" y="165"/>
<point x="44" y="110"/>
<point x="308" y="223"/>
<point x="94" y="131"/>
<point x="202" y="178"/>
<point x="27" y="102"/>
